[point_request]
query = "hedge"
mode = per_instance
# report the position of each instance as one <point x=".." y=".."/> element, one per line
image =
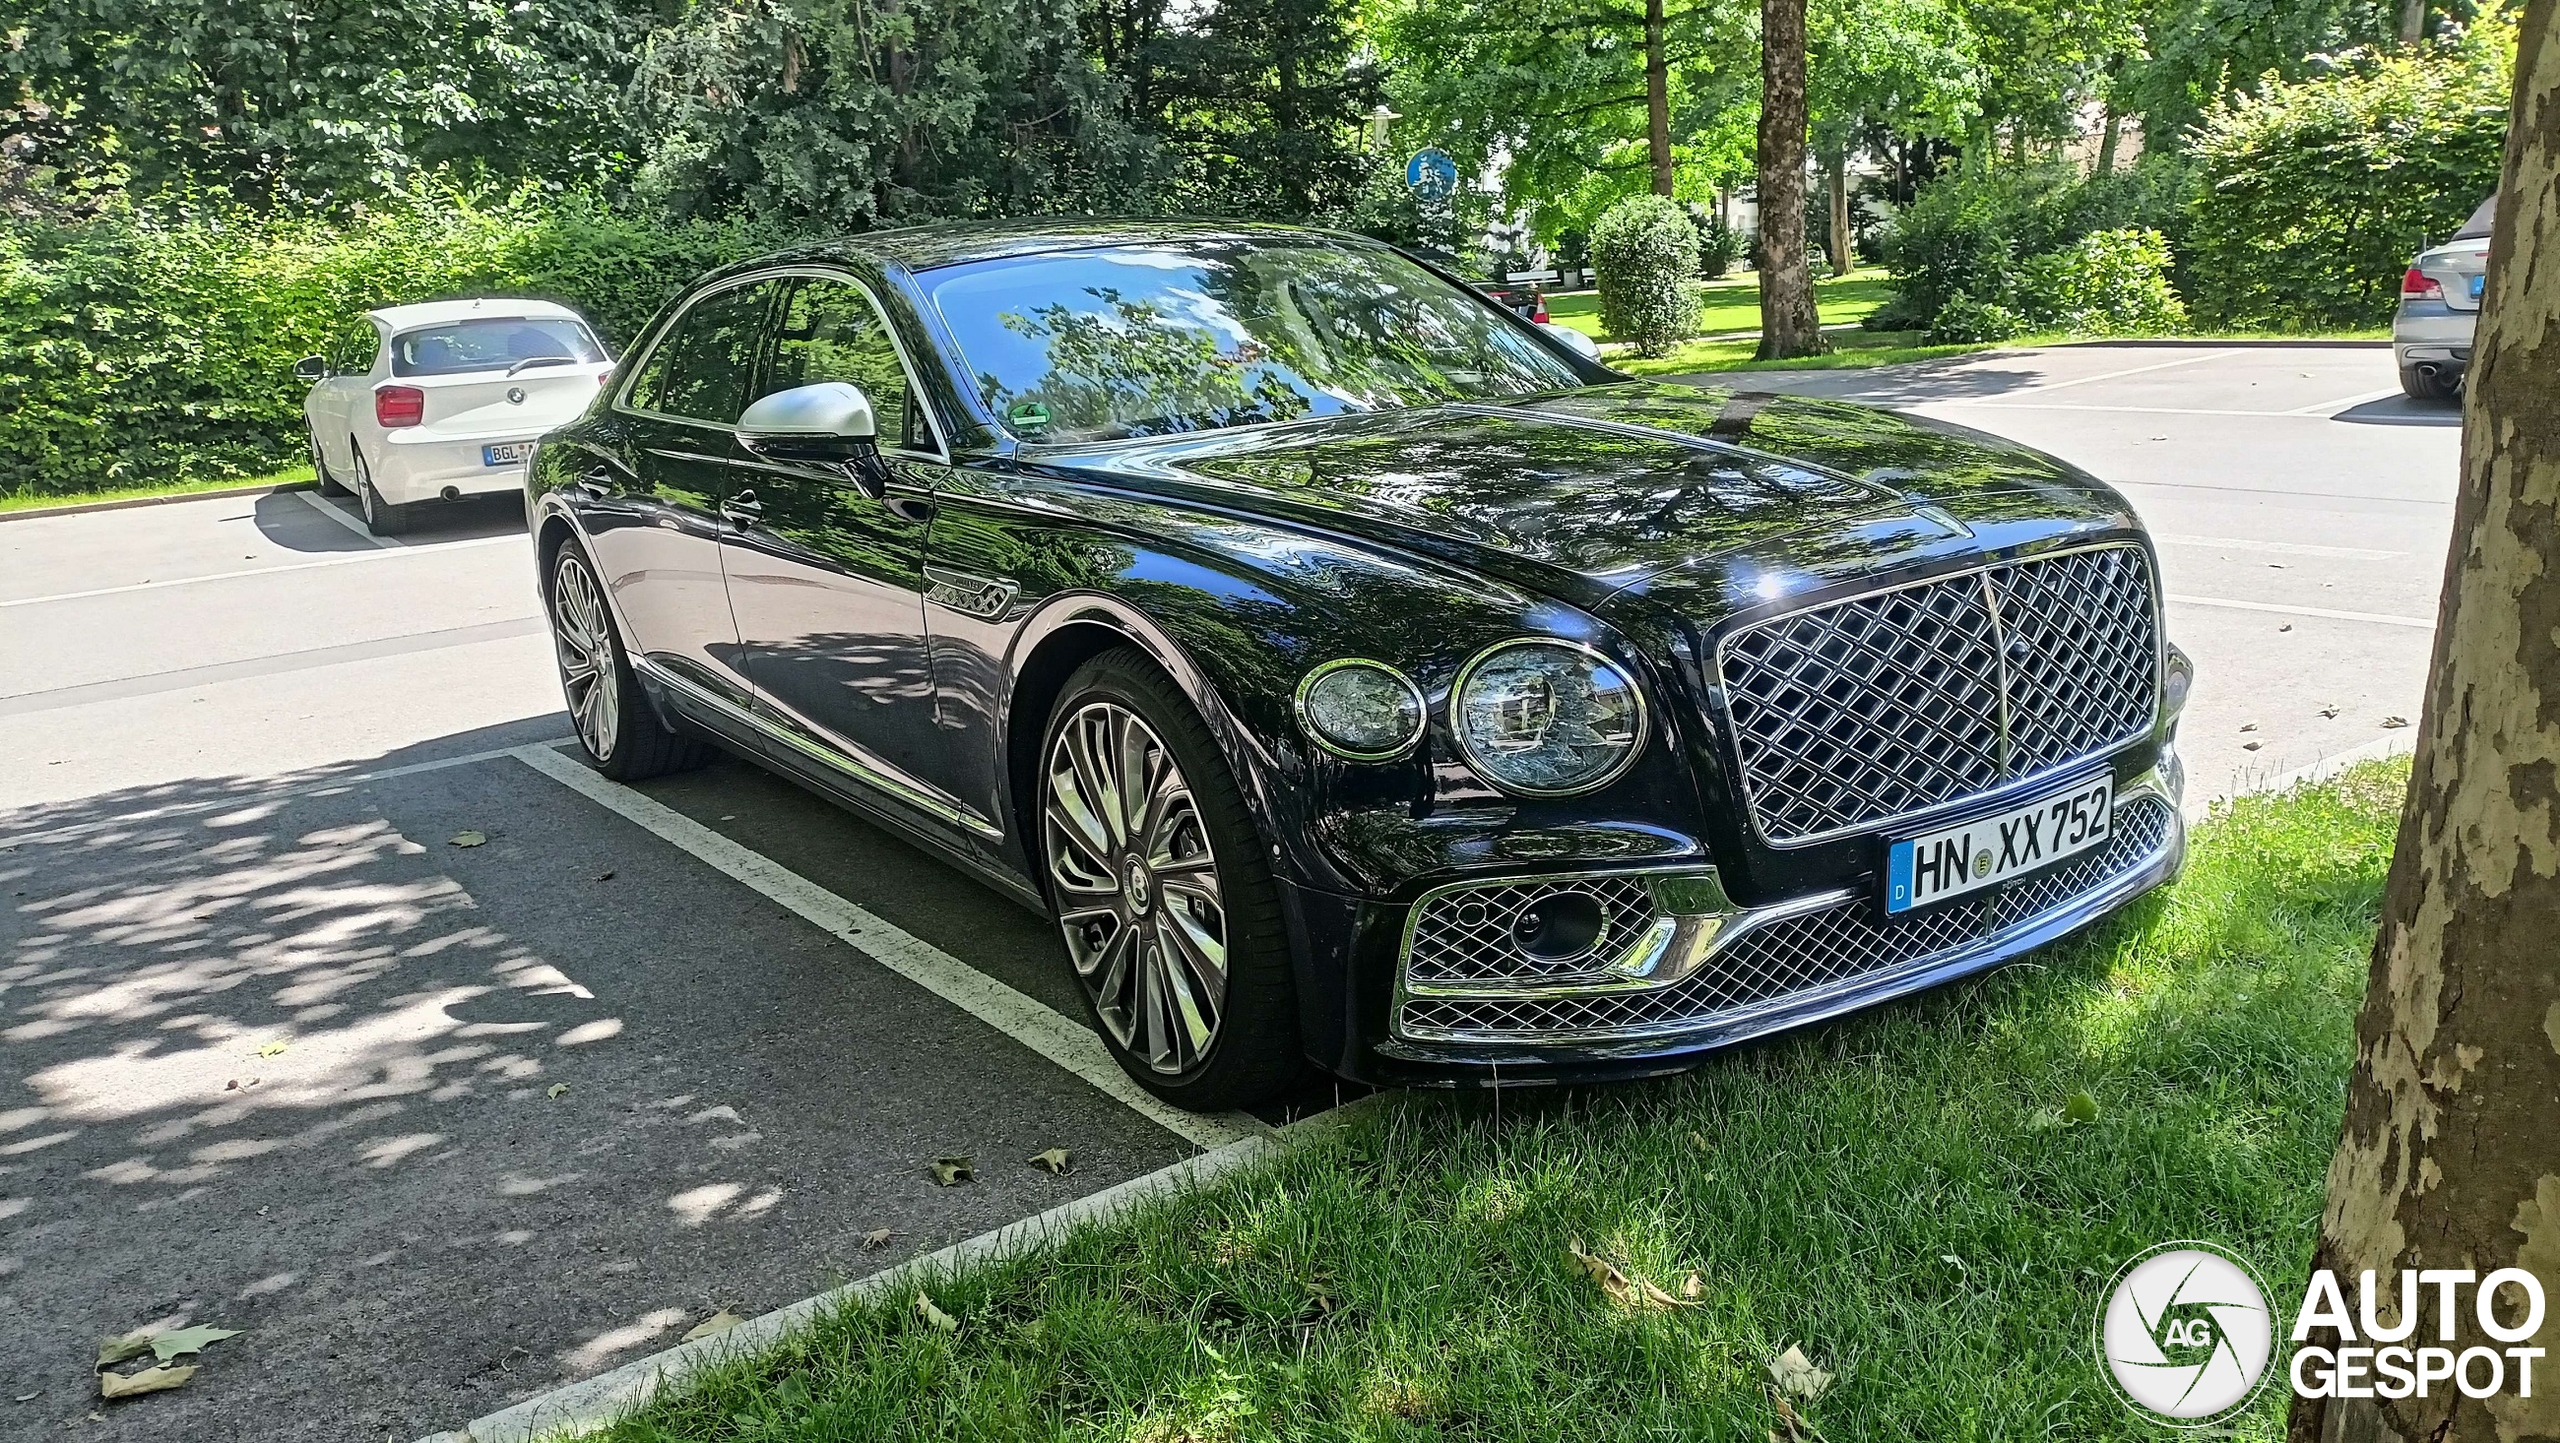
<point x="135" y="350"/>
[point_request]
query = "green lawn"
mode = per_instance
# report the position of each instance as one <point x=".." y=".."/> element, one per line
<point x="36" y="500"/>
<point x="1734" y="305"/>
<point x="1928" y="1200"/>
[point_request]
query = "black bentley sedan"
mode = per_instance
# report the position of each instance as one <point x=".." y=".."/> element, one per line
<point x="1356" y="672"/>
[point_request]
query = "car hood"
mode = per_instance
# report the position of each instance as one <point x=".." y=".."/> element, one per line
<point x="1591" y="493"/>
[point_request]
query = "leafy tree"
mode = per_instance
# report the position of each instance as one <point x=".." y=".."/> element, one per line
<point x="1883" y="69"/>
<point x="313" y="101"/>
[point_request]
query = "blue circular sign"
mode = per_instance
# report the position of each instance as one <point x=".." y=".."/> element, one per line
<point x="1431" y="174"/>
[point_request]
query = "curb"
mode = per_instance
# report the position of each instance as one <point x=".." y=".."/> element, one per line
<point x="34" y="513"/>
<point x="580" y="1408"/>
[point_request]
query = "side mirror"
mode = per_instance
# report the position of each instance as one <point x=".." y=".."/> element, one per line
<point x="828" y="424"/>
<point x="1574" y="341"/>
<point x="311" y="368"/>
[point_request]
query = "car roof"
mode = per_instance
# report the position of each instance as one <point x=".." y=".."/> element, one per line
<point x="499" y="308"/>
<point x="952" y="243"/>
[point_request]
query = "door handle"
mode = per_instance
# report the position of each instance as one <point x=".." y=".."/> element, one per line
<point x="742" y="507"/>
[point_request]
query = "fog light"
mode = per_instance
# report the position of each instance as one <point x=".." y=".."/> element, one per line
<point x="1364" y="711"/>
<point x="1559" y="926"/>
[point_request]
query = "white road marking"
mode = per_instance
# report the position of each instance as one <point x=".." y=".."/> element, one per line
<point x="2119" y="410"/>
<point x="1030" y="1022"/>
<point x="2422" y="623"/>
<point x="2278" y="548"/>
<point x="2324" y="408"/>
<point x="343" y="558"/>
<point x="2041" y="388"/>
<point x="343" y="519"/>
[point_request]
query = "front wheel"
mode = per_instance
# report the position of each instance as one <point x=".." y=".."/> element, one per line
<point x="618" y="731"/>
<point x="1169" y="912"/>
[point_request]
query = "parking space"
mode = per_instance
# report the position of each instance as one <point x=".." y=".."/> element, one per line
<point x="442" y="1126"/>
<point x="2301" y="504"/>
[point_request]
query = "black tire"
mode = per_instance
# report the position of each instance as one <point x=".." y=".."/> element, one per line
<point x="2435" y="385"/>
<point x="380" y="516"/>
<point x="1253" y="1052"/>
<point x="329" y="485"/>
<point x="618" y="732"/>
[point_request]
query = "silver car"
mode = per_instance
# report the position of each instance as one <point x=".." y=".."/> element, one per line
<point x="2439" y="304"/>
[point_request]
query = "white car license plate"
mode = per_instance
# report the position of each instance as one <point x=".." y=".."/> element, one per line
<point x="1955" y="860"/>
<point x="506" y="453"/>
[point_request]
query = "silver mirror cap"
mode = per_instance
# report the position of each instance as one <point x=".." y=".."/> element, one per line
<point x="1580" y="344"/>
<point x="835" y="409"/>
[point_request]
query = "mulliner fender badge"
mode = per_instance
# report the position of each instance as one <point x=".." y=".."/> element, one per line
<point x="986" y="597"/>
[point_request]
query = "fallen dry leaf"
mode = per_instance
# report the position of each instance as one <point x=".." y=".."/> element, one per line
<point x="238" y="1083"/>
<point x="178" y="1342"/>
<point x="1055" y="1160"/>
<point x="149" y="1380"/>
<point x="559" y="1089"/>
<point x="605" y="876"/>
<point x="2288" y="626"/>
<point x="1795" y="1373"/>
<point x="2394" y="723"/>
<point x="1695" y="1287"/>
<point x="874" y="1241"/>
<point x="2328" y="711"/>
<point x="713" y="1326"/>
<point x="2248" y="726"/>
<point x="1625" y="1291"/>
<point x="132" y="1345"/>
<point x="2080" y="1107"/>
<point x="940" y="1320"/>
<point x="274" y="1048"/>
<point x="952" y="1171"/>
<point x="466" y="839"/>
<point x="2251" y="746"/>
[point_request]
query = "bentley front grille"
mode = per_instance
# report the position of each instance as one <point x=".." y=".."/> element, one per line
<point x="1790" y="956"/>
<point x="1471" y="935"/>
<point x="1849" y="716"/>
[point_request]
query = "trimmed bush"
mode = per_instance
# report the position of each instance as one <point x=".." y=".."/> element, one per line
<point x="135" y="350"/>
<point x="1646" y="251"/>
<point x="2108" y="283"/>
<point x="1962" y="320"/>
<point x="1970" y="234"/>
<point x="2316" y="194"/>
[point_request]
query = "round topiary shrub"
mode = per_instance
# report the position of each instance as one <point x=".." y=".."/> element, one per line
<point x="1646" y="251"/>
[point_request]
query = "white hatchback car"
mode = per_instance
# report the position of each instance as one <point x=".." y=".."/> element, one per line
<point x="450" y="403"/>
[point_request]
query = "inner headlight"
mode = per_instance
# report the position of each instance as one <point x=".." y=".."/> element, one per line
<point x="1364" y="710"/>
<point x="1546" y="718"/>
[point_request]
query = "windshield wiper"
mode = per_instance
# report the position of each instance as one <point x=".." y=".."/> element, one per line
<point x="542" y="361"/>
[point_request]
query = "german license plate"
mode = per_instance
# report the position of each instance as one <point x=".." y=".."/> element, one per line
<point x="1990" y="850"/>
<point x="2477" y="282"/>
<point x="506" y="453"/>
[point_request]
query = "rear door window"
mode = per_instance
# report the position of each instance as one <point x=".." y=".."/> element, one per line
<point x="702" y="368"/>
<point x="492" y="343"/>
<point x="829" y="330"/>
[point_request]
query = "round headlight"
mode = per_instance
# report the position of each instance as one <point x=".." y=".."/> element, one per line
<point x="1366" y="711"/>
<point x="1546" y="718"/>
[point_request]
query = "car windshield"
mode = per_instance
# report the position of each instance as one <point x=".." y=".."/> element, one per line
<point x="492" y="343"/>
<point x="1145" y="340"/>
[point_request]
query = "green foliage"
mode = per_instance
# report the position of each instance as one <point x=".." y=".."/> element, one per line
<point x="2314" y="195"/>
<point x="132" y="350"/>
<point x="1646" y="252"/>
<point x="1720" y="248"/>
<point x="2199" y="52"/>
<point x="1970" y="233"/>
<point x="2107" y="283"/>
<point x="1962" y="320"/>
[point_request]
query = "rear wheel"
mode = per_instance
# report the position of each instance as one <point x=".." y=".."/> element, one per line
<point x="380" y="516"/>
<point x="1167" y="907"/>
<point x="2435" y="384"/>
<point x="617" y="729"/>
<point x="329" y="485"/>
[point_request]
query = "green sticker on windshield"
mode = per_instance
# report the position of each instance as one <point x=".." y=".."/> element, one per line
<point x="1028" y="416"/>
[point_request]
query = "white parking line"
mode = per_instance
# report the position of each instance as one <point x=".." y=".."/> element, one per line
<point x="1030" y="1022"/>
<point x="2038" y="390"/>
<point x="2376" y="617"/>
<point x="2323" y="408"/>
<point x="342" y="558"/>
<point x="343" y="519"/>
<point x="2121" y="410"/>
<point x="2277" y="548"/>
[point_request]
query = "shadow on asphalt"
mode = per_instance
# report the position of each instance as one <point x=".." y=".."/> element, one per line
<point x="2403" y="411"/>
<point x="290" y="519"/>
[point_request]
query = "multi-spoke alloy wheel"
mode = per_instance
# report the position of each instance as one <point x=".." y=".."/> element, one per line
<point x="1136" y="881"/>
<point x="584" y="642"/>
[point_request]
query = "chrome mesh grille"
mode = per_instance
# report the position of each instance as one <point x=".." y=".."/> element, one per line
<point x="1793" y="955"/>
<point x="1464" y="935"/>
<point x="1873" y="708"/>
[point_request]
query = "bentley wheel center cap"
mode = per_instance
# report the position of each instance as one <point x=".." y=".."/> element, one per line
<point x="1137" y="886"/>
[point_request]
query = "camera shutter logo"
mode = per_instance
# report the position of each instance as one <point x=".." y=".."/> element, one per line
<point x="2185" y="1334"/>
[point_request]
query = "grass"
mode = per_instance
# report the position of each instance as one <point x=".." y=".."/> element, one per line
<point x="37" y="500"/>
<point x="1900" y="1194"/>
<point x="1734" y="305"/>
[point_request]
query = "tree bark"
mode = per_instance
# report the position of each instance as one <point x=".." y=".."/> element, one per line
<point x="1843" y="245"/>
<point x="1789" y="325"/>
<point x="2450" y="1154"/>
<point x="2107" y="140"/>
<point x="1657" y="98"/>
<point x="2413" y="21"/>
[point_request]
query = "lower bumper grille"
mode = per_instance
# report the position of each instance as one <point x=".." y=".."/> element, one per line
<point x="1793" y="956"/>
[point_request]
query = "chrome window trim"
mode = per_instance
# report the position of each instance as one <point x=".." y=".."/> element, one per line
<point x="1421" y="710"/>
<point x="1721" y="705"/>
<point x="1635" y="749"/>
<point x="629" y="376"/>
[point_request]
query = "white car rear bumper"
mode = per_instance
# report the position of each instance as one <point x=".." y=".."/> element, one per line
<point x="418" y="464"/>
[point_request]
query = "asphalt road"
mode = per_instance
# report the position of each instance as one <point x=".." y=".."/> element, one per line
<point x="442" y="1126"/>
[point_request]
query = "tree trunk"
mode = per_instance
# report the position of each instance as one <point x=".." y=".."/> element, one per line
<point x="2413" y="21"/>
<point x="2107" y="140"/>
<point x="1844" y="246"/>
<point x="1789" y="325"/>
<point x="2450" y="1156"/>
<point x="1657" y="98"/>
